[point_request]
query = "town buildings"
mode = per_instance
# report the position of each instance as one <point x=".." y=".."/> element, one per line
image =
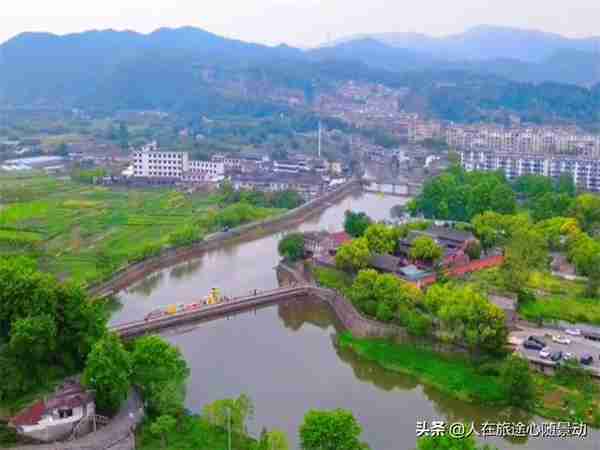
<point x="585" y="171"/>
<point x="307" y="185"/>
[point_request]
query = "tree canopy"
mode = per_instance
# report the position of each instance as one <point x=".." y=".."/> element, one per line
<point x="356" y="223"/>
<point x="330" y="430"/>
<point x="353" y="256"/>
<point x="291" y="247"/>
<point x="424" y="248"/>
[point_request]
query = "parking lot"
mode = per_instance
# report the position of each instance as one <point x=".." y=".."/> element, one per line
<point x="578" y="346"/>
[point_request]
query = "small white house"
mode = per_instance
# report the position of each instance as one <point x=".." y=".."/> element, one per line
<point x="54" y="418"/>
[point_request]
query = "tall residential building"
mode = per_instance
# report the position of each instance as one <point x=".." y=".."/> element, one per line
<point x="585" y="171"/>
<point x="151" y="163"/>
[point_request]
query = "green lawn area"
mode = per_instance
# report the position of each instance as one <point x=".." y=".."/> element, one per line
<point x="455" y="376"/>
<point x="86" y="232"/>
<point x="556" y="298"/>
<point x="574" y="310"/>
<point x="194" y="434"/>
<point x="558" y="398"/>
<point x="332" y="278"/>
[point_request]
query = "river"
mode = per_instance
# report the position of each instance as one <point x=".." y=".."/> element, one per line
<point x="285" y="356"/>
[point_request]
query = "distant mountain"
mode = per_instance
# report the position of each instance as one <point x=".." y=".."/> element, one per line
<point x="486" y="43"/>
<point x="42" y="67"/>
<point x="374" y="53"/>
<point x="512" y="54"/>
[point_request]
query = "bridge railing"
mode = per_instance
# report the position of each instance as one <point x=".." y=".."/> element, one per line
<point x="224" y="305"/>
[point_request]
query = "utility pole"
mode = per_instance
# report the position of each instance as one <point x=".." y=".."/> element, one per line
<point x="320" y="132"/>
<point x="229" y="427"/>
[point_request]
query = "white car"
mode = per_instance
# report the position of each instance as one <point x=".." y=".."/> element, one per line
<point x="561" y="340"/>
<point x="573" y="332"/>
<point x="567" y="356"/>
<point x="545" y="353"/>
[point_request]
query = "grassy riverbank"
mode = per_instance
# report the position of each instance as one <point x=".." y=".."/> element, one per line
<point x="558" y="398"/>
<point x="193" y="433"/>
<point x="86" y="232"/>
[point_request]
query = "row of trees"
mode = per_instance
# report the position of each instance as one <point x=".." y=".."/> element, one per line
<point x="45" y="327"/>
<point x="284" y="199"/>
<point x="460" y="313"/>
<point x="321" y="430"/>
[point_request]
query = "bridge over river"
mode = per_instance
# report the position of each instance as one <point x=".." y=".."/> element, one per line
<point x="138" y="328"/>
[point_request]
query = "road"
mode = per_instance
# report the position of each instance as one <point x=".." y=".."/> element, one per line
<point x="578" y="346"/>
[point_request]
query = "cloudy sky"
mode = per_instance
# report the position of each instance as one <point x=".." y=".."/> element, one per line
<point x="299" y="22"/>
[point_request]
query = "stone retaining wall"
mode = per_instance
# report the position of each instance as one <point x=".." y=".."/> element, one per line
<point x="168" y="257"/>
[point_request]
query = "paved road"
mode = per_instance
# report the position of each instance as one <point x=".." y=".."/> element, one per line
<point x="577" y="347"/>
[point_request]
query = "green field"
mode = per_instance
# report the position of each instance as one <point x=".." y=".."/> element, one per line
<point x="87" y="232"/>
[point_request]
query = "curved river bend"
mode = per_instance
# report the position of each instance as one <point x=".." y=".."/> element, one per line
<point x="285" y="356"/>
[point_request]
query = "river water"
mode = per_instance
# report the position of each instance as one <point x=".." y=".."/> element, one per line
<point x="285" y="356"/>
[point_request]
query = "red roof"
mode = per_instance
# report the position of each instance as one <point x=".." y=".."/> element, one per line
<point x="30" y="416"/>
<point x="340" y="238"/>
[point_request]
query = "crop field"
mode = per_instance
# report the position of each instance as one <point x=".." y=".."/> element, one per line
<point x="85" y="232"/>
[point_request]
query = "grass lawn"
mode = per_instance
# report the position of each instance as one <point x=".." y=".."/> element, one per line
<point x="194" y="434"/>
<point x="558" y="398"/>
<point x="556" y="298"/>
<point x="332" y="278"/>
<point x="85" y="232"/>
<point x="455" y="376"/>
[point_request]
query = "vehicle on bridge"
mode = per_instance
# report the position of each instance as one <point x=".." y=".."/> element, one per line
<point x="214" y="298"/>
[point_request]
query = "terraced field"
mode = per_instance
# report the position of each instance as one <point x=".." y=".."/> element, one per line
<point x="87" y="232"/>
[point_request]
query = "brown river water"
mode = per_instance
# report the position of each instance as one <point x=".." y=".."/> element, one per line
<point x="286" y="358"/>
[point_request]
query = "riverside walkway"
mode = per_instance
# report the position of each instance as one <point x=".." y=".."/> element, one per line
<point x="139" y="328"/>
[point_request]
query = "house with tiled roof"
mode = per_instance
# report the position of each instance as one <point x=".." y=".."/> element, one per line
<point x="55" y="417"/>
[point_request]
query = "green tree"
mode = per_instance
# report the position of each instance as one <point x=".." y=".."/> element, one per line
<point x="381" y="239"/>
<point x="157" y="364"/>
<point x="330" y="430"/>
<point x="526" y="252"/>
<point x="353" y="256"/>
<point x="473" y="250"/>
<point x="533" y="186"/>
<point x="185" y="235"/>
<point x="169" y="399"/>
<point x="287" y="200"/>
<point x="108" y="372"/>
<point x="356" y="223"/>
<point x="33" y="342"/>
<point x="424" y="248"/>
<point x="518" y="382"/>
<point x="238" y="410"/>
<point x="550" y="205"/>
<point x="566" y="185"/>
<point x="593" y="273"/>
<point x="291" y="247"/>
<point x="586" y="210"/>
<point x="445" y="442"/>
<point x="466" y="316"/>
<point x="162" y="427"/>
<point x="273" y="440"/>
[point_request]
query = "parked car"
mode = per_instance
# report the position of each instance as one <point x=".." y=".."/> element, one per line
<point x="587" y="359"/>
<point x="561" y="339"/>
<point x="568" y="356"/>
<point x="573" y="332"/>
<point x="532" y="345"/>
<point x="556" y="356"/>
<point x="538" y="340"/>
<point x="545" y="354"/>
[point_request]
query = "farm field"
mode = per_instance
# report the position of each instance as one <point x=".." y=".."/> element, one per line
<point x="85" y="232"/>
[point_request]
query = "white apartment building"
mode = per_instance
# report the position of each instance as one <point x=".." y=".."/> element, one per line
<point x="150" y="163"/>
<point x="585" y="171"/>
<point x="155" y="164"/>
<point x="230" y="164"/>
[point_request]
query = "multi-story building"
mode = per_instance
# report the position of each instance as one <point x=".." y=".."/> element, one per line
<point x="585" y="171"/>
<point x="230" y="164"/>
<point x="151" y="163"/>
<point x="306" y="185"/>
<point x="155" y="164"/>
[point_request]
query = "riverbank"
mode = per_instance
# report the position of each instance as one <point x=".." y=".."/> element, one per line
<point x="132" y="273"/>
<point x="192" y="433"/>
<point x="475" y="382"/>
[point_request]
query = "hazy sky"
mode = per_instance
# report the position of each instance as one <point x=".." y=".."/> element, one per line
<point x="299" y="22"/>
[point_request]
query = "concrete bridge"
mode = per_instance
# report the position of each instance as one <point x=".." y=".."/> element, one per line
<point x="139" y="328"/>
<point x="392" y="187"/>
